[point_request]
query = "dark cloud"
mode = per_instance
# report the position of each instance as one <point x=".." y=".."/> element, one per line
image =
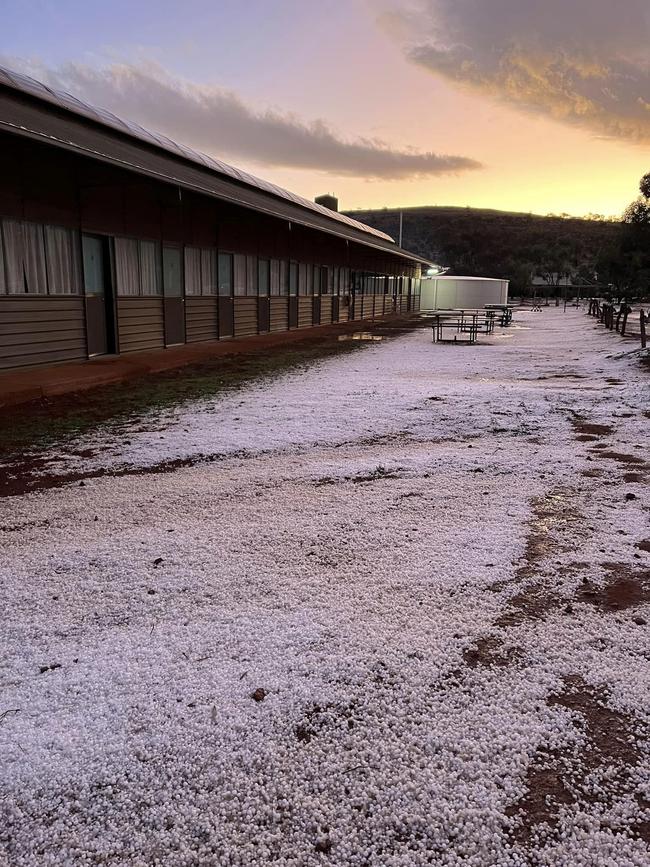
<point x="583" y="62"/>
<point x="218" y="122"/>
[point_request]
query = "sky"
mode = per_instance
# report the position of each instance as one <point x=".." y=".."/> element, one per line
<point x="510" y="104"/>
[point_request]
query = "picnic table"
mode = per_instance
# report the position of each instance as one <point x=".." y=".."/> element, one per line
<point x="505" y="310"/>
<point x="462" y="326"/>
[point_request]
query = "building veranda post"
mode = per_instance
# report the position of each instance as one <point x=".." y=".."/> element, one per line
<point x="114" y="240"/>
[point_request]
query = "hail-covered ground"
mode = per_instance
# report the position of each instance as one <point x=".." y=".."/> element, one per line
<point x="389" y="609"/>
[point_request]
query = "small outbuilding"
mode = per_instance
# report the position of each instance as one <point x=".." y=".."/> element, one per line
<point x="450" y="292"/>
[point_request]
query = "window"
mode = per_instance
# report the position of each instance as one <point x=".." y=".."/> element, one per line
<point x="251" y="275"/>
<point x="38" y="259"/>
<point x="200" y="271"/>
<point x="316" y="279"/>
<point x="293" y="278"/>
<point x="239" y="274"/>
<point x="93" y="263"/>
<point x="192" y="271"/>
<point x="225" y="274"/>
<point x="284" y="277"/>
<point x="62" y="255"/>
<point x="274" y="283"/>
<point x="137" y="267"/>
<point x="12" y="243"/>
<point x="149" y="254"/>
<point x="263" y="276"/>
<point x="172" y="272"/>
<point x="127" y="268"/>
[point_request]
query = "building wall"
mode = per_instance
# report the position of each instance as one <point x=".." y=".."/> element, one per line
<point x="440" y="293"/>
<point x="52" y="201"/>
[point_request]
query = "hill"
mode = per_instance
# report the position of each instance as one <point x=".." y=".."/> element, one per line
<point x="493" y="243"/>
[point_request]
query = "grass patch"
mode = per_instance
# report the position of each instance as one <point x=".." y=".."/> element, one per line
<point x="40" y="423"/>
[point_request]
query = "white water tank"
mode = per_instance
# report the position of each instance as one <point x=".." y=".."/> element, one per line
<point x="462" y="293"/>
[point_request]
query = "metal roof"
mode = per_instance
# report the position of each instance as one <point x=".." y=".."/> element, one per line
<point x="28" y="85"/>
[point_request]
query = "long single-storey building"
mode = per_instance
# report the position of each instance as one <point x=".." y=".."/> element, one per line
<point x="114" y="239"/>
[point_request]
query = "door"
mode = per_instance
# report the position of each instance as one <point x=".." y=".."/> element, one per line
<point x="98" y="288"/>
<point x="174" y="301"/>
<point x="226" y="316"/>
<point x="335" y="308"/>
<point x="263" y="315"/>
<point x="316" y="311"/>
<point x="293" y="312"/>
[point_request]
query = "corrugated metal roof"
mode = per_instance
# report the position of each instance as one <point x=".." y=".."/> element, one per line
<point x="26" y="84"/>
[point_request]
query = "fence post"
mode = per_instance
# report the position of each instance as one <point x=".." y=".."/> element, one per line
<point x="626" y="309"/>
<point x="642" y="321"/>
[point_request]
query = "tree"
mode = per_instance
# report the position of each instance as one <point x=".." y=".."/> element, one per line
<point x="644" y="186"/>
<point x="638" y="212"/>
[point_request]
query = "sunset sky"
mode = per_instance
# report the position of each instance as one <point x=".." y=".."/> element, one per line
<point x="512" y="104"/>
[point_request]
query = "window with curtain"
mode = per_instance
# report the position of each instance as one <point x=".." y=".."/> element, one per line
<point x="225" y="274"/>
<point x="149" y="255"/>
<point x="12" y="244"/>
<point x="209" y="277"/>
<point x="192" y="268"/>
<point x="274" y="282"/>
<point x="34" y="259"/>
<point x="127" y="266"/>
<point x="303" y="271"/>
<point x="239" y="274"/>
<point x="62" y="257"/>
<point x="293" y="278"/>
<point x="284" y="277"/>
<point x="251" y="275"/>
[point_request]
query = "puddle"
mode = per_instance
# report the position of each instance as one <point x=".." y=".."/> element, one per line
<point x="362" y="335"/>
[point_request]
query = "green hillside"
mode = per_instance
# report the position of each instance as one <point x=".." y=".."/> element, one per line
<point x="493" y="243"/>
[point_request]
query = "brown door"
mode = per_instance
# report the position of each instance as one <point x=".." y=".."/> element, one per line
<point x="226" y="316"/>
<point x="173" y="295"/>
<point x="316" y="311"/>
<point x="100" y="309"/>
<point x="335" y="308"/>
<point x="293" y="312"/>
<point x="264" y="315"/>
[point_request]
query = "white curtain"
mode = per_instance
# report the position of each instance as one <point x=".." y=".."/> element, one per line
<point x="34" y="259"/>
<point x="127" y="267"/>
<point x="13" y="244"/>
<point x="13" y="280"/>
<point x="304" y="287"/>
<point x="251" y="275"/>
<point x="149" y="268"/>
<point x="192" y="271"/>
<point x="63" y="269"/>
<point x="209" y="280"/>
<point x="284" y="277"/>
<point x="275" y="277"/>
<point x="239" y="276"/>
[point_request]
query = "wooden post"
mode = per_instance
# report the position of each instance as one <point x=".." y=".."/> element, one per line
<point x="626" y="309"/>
<point x="642" y="321"/>
<point x="618" y="316"/>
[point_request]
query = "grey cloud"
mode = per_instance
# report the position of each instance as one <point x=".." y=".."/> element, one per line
<point x="218" y="122"/>
<point x="583" y="62"/>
